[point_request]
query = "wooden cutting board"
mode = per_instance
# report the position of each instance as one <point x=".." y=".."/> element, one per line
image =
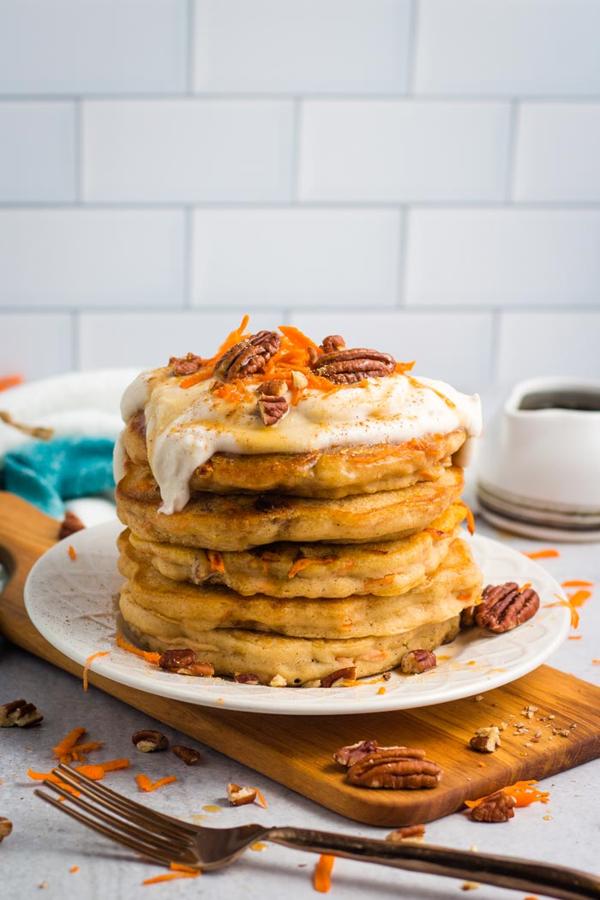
<point x="296" y="750"/>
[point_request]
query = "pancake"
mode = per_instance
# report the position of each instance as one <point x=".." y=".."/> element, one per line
<point x="241" y="521"/>
<point x="297" y="660"/>
<point x="337" y="472"/>
<point x="383" y="569"/>
<point x="192" y="610"/>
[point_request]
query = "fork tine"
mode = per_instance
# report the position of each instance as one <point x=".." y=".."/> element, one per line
<point x="149" y="838"/>
<point x="87" y="785"/>
<point x="157" y="827"/>
<point x="118" y="837"/>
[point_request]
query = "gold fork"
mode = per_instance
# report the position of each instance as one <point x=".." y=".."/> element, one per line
<point x="165" y="840"/>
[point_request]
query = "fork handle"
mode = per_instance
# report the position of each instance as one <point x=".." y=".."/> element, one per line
<point x="502" y="871"/>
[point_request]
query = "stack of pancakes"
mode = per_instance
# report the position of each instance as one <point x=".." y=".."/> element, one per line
<point x="290" y="567"/>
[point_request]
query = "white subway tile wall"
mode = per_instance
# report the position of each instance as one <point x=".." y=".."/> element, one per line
<point x="421" y="175"/>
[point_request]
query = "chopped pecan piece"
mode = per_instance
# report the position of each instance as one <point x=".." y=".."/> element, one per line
<point x="349" y="366"/>
<point x="341" y="674"/>
<point x="240" y="796"/>
<point x="299" y="380"/>
<point x="278" y="681"/>
<point x="504" y="606"/>
<point x="246" y="678"/>
<point x="416" y="661"/>
<point x="498" y="807"/>
<point x="347" y="756"/>
<point x="408" y="832"/>
<point x="395" y="768"/>
<point x="467" y="617"/>
<point x="174" y="660"/>
<point x="186" y="365"/>
<point x="149" y="741"/>
<point x="248" y="357"/>
<point x="188" y="755"/>
<point x="486" y="740"/>
<point x="332" y="342"/>
<point x="19" y="713"/>
<point x="69" y="525"/>
<point x="5" y="828"/>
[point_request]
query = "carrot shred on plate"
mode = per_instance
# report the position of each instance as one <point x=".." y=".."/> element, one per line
<point x="576" y="583"/>
<point x="322" y="873"/>
<point x="87" y="666"/>
<point x="124" y="644"/>
<point x="145" y="784"/>
<point x="549" y="553"/>
<point x="73" y="870"/>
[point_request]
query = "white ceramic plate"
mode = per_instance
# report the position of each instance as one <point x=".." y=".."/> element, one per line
<point x="71" y="602"/>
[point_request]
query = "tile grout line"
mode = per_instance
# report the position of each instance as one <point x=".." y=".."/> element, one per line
<point x="413" y="35"/>
<point x="511" y="162"/>
<point x="191" y="46"/>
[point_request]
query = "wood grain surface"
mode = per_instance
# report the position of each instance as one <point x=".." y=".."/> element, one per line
<point x="296" y="750"/>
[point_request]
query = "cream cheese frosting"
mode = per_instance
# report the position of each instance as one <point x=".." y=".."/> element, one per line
<point x="185" y="427"/>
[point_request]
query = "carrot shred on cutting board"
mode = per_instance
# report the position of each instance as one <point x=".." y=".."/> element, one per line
<point x="72" y="552"/>
<point x="322" y="873"/>
<point x="124" y="644"/>
<point x="87" y="666"/>
<point x="146" y="785"/>
<point x="550" y="553"/>
<point x="68" y="742"/>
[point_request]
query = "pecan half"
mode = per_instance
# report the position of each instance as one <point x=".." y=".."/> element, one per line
<point x="69" y="525"/>
<point x="347" y="756"/>
<point x="186" y="365"/>
<point x="408" y="832"/>
<point x="272" y="408"/>
<point x="248" y="357"/>
<point x="395" y="768"/>
<point x="149" y="741"/>
<point x="19" y="713"/>
<point x="240" y="795"/>
<point x="188" y="755"/>
<point x="486" y="740"/>
<point x="341" y="674"/>
<point x="416" y="661"/>
<point x="498" y="807"/>
<point x="504" y="607"/>
<point x="332" y="342"/>
<point x="5" y="828"/>
<point x="348" y="366"/>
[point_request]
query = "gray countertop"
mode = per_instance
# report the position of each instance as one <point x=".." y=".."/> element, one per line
<point x="44" y="844"/>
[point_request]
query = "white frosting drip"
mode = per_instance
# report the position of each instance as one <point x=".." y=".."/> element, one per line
<point x="185" y="427"/>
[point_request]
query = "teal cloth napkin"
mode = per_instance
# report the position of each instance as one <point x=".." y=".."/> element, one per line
<point x="48" y="472"/>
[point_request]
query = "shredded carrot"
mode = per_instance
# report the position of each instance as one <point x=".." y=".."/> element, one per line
<point x="596" y="662"/>
<point x="146" y="785"/>
<point x="297" y="338"/>
<point x="542" y="554"/>
<point x="190" y="870"/>
<point x="570" y="584"/>
<point x="470" y="517"/>
<point x="524" y="793"/>
<point x="98" y="771"/>
<point x="574" y="637"/>
<point x="525" y="586"/>
<point x="260" y="800"/>
<point x="73" y="870"/>
<point x="381" y="690"/>
<point x="322" y="873"/>
<point x="573" y="603"/>
<point x="72" y="552"/>
<point x="170" y="876"/>
<point x="9" y="381"/>
<point x="88" y="663"/>
<point x="215" y="560"/>
<point x="124" y="644"/>
<point x="51" y="776"/>
<point x="303" y="563"/>
<point x="206" y="371"/>
<point x="68" y="742"/>
<point x="80" y="752"/>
